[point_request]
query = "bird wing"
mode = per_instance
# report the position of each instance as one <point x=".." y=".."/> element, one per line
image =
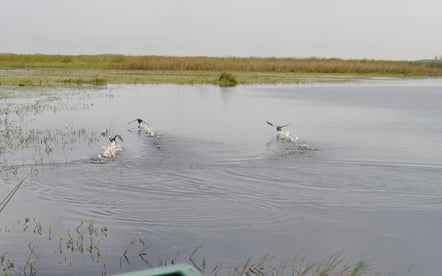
<point x="284" y="125"/>
<point x="118" y="136"/>
<point x="132" y="121"/>
<point x="270" y="123"/>
<point x="145" y="123"/>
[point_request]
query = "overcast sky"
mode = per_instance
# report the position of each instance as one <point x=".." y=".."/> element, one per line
<point x="372" y="29"/>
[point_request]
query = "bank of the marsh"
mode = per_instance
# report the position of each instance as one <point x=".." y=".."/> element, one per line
<point x="56" y="70"/>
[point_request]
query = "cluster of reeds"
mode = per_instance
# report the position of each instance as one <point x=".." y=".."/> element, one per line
<point x="220" y="64"/>
<point x="282" y="65"/>
<point x="59" y="62"/>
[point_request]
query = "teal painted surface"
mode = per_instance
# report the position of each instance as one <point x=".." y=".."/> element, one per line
<point x="175" y="270"/>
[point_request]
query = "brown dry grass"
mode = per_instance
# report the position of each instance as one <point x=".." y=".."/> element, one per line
<point x="221" y="64"/>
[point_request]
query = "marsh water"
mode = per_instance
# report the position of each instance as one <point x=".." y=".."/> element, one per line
<point x="363" y="180"/>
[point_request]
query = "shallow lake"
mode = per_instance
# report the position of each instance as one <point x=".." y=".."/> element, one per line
<point x="363" y="180"/>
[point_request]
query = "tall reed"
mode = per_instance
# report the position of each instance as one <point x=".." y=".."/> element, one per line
<point x="221" y="64"/>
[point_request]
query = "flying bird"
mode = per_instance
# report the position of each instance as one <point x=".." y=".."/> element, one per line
<point x="112" y="139"/>
<point x="144" y="126"/>
<point x="139" y="121"/>
<point x="278" y="128"/>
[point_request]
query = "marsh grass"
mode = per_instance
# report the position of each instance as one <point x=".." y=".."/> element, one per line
<point x="23" y="144"/>
<point x="269" y="265"/>
<point x="88" y="238"/>
<point x="58" y="70"/>
<point x="220" y="64"/>
<point x="37" y="146"/>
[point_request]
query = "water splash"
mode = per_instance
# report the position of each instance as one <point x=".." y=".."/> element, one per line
<point x="287" y="136"/>
<point x="110" y="152"/>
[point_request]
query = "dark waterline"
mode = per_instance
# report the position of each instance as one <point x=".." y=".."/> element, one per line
<point x="364" y="179"/>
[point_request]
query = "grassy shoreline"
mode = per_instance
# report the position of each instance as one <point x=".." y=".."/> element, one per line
<point x="57" y="70"/>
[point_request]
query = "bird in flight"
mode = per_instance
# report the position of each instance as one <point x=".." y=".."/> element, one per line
<point x="278" y="128"/>
<point x="139" y="121"/>
<point x="112" y="139"/>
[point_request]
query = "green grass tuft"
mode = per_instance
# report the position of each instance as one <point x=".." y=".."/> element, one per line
<point x="227" y="80"/>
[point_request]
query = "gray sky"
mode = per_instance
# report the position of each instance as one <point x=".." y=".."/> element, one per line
<point x="372" y="29"/>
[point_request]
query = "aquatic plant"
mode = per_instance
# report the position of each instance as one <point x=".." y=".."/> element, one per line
<point x="22" y="144"/>
<point x="267" y="265"/>
<point x="39" y="145"/>
<point x="88" y="238"/>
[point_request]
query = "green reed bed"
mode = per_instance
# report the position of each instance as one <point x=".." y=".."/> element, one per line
<point x="59" y="70"/>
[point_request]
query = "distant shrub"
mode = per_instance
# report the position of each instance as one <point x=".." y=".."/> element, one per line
<point x="227" y="80"/>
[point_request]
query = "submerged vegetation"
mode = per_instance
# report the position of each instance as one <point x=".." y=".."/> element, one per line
<point x="25" y="144"/>
<point x="56" y="70"/>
